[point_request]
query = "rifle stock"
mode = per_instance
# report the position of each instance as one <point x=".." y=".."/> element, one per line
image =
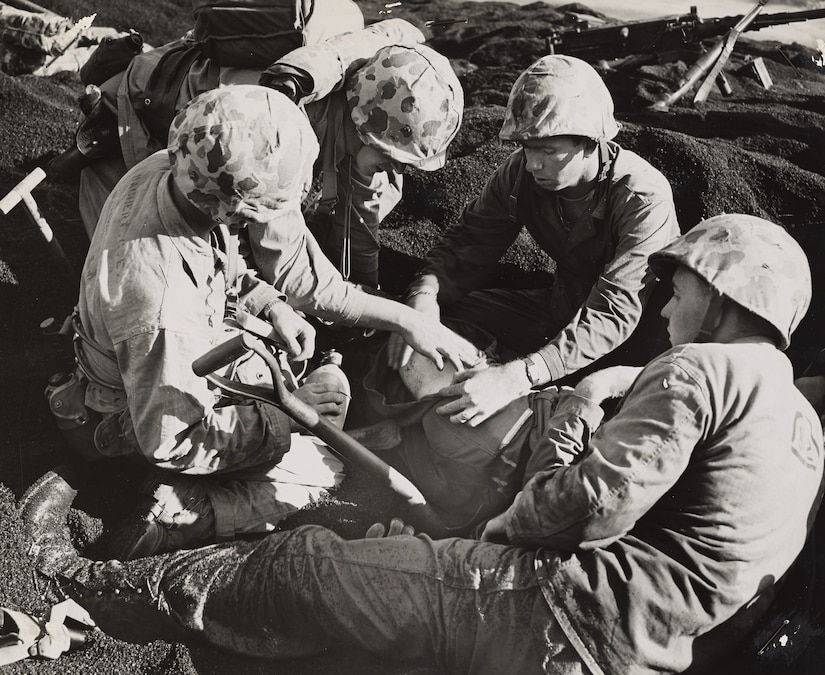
<point x="660" y="36"/>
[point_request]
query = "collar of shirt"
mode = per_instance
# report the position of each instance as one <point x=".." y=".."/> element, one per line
<point x="198" y="254"/>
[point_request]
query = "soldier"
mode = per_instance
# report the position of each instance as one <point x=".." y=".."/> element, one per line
<point x="597" y="209"/>
<point x="378" y="102"/>
<point x="160" y="277"/>
<point x="651" y="542"/>
<point x="400" y="107"/>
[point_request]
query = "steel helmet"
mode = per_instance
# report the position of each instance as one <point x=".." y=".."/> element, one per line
<point x="407" y="102"/>
<point x="749" y="260"/>
<point x="559" y="96"/>
<point x="242" y="152"/>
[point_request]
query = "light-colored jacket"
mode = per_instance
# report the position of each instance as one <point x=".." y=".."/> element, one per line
<point x="153" y="295"/>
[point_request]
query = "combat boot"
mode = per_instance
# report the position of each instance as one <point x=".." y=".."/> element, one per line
<point x="43" y="510"/>
<point x="173" y="513"/>
<point x="125" y="600"/>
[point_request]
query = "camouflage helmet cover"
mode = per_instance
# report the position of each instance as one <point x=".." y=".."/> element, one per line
<point x="752" y="261"/>
<point x="242" y="153"/>
<point x="559" y="96"/>
<point x="407" y="102"/>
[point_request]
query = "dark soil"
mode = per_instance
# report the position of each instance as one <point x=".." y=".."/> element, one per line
<point x="757" y="151"/>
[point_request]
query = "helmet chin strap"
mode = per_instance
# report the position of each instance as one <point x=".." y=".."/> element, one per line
<point x="604" y="164"/>
<point x="713" y="316"/>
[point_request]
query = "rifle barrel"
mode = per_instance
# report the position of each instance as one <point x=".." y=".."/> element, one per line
<point x="780" y="18"/>
<point x="660" y="35"/>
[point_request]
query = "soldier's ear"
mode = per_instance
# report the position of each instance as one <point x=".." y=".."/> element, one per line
<point x="590" y="146"/>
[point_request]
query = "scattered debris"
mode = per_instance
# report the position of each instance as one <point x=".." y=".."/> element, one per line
<point x="44" y="43"/>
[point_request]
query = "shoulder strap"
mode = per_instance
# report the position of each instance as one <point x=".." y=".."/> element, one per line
<point x="329" y="179"/>
<point x="608" y="166"/>
<point x="156" y="101"/>
<point x="513" y="200"/>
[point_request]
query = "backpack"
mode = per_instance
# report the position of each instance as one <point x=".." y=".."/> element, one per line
<point x="250" y="33"/>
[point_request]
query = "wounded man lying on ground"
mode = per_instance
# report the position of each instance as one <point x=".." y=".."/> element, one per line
<point x="649" y="544"/>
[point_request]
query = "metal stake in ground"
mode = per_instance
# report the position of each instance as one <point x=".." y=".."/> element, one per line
<point x="22" y="193"/>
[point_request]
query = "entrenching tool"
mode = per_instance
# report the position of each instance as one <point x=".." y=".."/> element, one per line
<point x="419" y="513"/>
<point x="22" y="193"/>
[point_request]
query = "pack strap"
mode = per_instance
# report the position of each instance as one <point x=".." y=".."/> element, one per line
<point x="229" y="243"/>
<point x="82" y="340"/>
<point x="512" y="202"/>
<point x="329" y="177"/>
<point x="156" y="102"/>
<point x="346" y="245"/>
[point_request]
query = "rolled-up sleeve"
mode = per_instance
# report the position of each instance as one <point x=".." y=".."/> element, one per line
<point x="327" y="63"/>
<point x="290" y="259"/>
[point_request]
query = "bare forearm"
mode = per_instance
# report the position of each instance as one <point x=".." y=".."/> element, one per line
<point x="389" y="315"/>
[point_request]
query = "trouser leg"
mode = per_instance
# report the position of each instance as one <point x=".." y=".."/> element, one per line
<point x="465" y="606"/>
<point x="457" y="604"/>
<point x="185" y="511"/>
<point x="350" y="237"/>
<point x="467" y="474"/>
<point x="254" y="501"/>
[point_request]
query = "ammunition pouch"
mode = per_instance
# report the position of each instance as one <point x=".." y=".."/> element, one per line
<point x="66" y="395"/>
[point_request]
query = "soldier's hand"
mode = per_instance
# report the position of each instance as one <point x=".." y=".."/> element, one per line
<point x="439" y="344"/>
<point x="607" y="383"/>
<point x="480" y="393"/>
<point x="495" y="531"/>
<point x="296" y="332"/>
<point x="397" y="527"/>
<point x="323" y="397"/>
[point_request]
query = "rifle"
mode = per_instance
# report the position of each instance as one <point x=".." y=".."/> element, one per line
<point x="659" y="37"/>
<point x="710" y="64"/>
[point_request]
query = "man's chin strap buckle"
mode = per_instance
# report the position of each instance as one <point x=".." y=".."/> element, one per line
<point x="605" y="164"/>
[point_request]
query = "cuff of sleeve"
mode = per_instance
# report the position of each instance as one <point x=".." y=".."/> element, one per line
<point x="261" y="298"/>
<point x="511" y="527"/>
<point x="589" y="412"/>
<point x="279" y="430"/>
<point x="552" y="359"/>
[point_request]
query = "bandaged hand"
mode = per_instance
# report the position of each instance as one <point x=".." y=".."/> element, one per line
<point x="323" y="397"/>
